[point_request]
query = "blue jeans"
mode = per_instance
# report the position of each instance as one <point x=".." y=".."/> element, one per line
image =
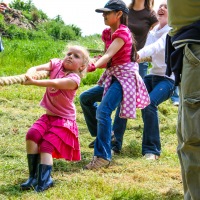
<point x="89" y="105"/>
<point x="109" y="103"/>
<point x="143" y="67"/>
<point x="88" y="102"/>
<point x="160" y="89"/>
<point x="175" y="95"/>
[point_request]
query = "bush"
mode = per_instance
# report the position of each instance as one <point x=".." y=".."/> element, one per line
<point x="67" y="33"/>
<point x="2" y="23"/>
<point x="58" y="30"/>
<point x="54" y="28"/>
<point x="76" y="30"/>
<point x="43" y="16"/>
<point x="21" y="5"/>
<point x="27" y="15"/>
<point x="15" y="32"/>
<point x="35" y="15"/>
<point x="32" y="35"/>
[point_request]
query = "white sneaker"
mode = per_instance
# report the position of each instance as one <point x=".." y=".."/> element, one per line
<point x="113" y="152"/>
<point x="150" y="156"/>
<point x="176" y="103"/>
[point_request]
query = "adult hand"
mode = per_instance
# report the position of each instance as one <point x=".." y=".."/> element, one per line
<point x="137" y="58"/>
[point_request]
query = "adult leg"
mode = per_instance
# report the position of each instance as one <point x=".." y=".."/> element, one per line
<point x="88" y="102"/>
<point x="143" y="67"/>
<point x="160" y="89"/>
<point x="188" y="129"/>
<point x="175" y="97"/>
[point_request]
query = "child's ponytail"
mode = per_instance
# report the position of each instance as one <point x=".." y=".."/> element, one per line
<point x="124" y="21"/>
<point x="134" y="50"/>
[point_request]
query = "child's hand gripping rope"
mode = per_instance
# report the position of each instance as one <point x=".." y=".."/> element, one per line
<point x="20" y="79"/>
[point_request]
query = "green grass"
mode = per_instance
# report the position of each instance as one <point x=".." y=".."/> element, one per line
<point x="129" y="177"/>
<point x="19" y="55"/>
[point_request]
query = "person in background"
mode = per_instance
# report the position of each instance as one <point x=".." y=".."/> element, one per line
<point x="183" y="58"/>
<point x="55" y="134"/>
<point x="3" y="7"/>
<point x="141" y="19"/>
<point x="89" y="98"/>
<point x="159" y="86"/>
<point x="122" y="84"/>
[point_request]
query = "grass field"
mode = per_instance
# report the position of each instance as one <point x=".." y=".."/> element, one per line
<point x="129" y="176"/>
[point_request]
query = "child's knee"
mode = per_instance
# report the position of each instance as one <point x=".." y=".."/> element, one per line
<point x="33" y="135"/>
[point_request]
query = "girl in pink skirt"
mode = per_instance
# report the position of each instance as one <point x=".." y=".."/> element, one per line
<point x="55" y="134"/>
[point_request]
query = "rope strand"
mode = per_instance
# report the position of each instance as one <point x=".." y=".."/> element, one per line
<point x="19" y="79"/>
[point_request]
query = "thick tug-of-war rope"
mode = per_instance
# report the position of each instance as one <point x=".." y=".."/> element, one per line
<point x="9" y="80"/>
<point x="146" y="59"/>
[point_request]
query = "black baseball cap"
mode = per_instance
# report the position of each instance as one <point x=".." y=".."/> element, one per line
<point x="114" y="5"/>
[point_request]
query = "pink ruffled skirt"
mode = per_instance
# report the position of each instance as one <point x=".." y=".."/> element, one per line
<point x="62" y="134"/>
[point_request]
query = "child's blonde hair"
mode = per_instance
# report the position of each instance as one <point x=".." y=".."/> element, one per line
<point x="86" y="57"/>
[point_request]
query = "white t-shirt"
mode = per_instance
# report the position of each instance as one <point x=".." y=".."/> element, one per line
<point x="155" y="47"/>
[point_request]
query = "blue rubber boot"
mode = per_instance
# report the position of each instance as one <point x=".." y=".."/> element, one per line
<point x="44" y="178"/>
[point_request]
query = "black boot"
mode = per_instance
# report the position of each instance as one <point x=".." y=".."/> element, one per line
<point x="33" y="160"/>
<point x="44" y="178"/>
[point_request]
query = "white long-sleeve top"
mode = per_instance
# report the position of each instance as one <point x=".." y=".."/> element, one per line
<point x="155" y="47"/>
